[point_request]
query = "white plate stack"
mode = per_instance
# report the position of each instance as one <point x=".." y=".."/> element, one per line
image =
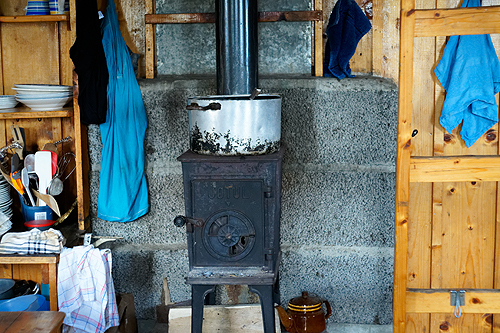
<point x="5" y="206"/>
<point x="7" y="102"/>
<point x="43" y="97"/>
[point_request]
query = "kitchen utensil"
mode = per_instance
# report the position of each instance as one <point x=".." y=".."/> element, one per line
<point x="53" y="146"/>
<point x="15" y="174"/>
<point x="29" y="163"/>
<point x="18" y="137"/>
<point x="49" y="201"/>
<point x="4" y="149"/>
<point x="43" y="169"/>
<point x="305" y="314"/>
<point x="56" y="184"/>
<point x="26" y="183"/>
<point x="53" y="158"/>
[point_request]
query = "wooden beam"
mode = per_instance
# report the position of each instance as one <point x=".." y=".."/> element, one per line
<point x="438" y="301"/>
<point x="454" y="168"/>
<point x="32" y="259"/>
<point x="34" y="18"/>
<point x="292" y="16"/>
<point x="457" y="21"/>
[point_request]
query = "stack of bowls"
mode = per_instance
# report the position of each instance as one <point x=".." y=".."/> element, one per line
<point x="7" y="102"/>
<point x="43" y="97"/>
<point x="38" y="7"/>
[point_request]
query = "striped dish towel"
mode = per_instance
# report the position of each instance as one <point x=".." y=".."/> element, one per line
<point x="32" y="242"/>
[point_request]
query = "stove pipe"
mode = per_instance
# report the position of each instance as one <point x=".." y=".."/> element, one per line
<point x="237" y="47"/>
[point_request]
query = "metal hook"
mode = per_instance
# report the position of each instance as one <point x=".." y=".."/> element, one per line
<point x="457" y="299"/>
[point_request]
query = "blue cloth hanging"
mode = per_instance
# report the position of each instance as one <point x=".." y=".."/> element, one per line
<point x="123" y="192"/>
<point x="346" y="26"/>
<point x="469" y="71"/>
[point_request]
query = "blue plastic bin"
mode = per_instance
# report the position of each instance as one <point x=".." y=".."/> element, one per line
<point x="25" y="303"/>
<point x="31" y="213"/>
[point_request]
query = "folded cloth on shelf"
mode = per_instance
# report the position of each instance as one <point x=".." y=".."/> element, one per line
<point x="32" y="242"/>
<point x="346" y="26"/>
<point x="85" y="289"/>
<point x="469" y="71"/>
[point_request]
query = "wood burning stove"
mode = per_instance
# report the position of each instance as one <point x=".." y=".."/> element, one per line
<point x="232" y="180"/>
<point x="232" y="220"/>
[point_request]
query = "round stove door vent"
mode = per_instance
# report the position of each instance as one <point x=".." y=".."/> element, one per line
<point x="229" y="236"/>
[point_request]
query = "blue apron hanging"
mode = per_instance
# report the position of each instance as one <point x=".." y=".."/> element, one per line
<point x="123" y="192"/>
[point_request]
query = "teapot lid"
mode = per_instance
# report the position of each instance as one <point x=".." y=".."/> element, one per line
<point x="305" y="302"/>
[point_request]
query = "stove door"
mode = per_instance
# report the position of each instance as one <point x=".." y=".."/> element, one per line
<point x="233" y="232"/>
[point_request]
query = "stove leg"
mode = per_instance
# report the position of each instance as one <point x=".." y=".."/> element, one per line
<point x="266" y="294"/>
<point x="199" y="291"/>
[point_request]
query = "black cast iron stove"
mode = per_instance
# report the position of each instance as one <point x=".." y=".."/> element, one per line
<point x="232" y="220"/>
<point x="232" y="203"/>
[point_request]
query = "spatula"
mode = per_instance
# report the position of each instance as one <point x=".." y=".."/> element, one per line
<point x="43" y="169"/>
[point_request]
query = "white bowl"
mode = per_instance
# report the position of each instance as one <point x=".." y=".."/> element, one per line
<point x="46" y="104"/>
<point x="43" y="95"/>
<point x="41" y="88"/>
<point x="7" y="101"/>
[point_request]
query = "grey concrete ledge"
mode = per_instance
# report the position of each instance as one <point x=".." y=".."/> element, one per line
<point x="128" y="247"/>
<point x="167" y="167"/>
<point x="283" y="81"/>
<point x="354" y="328"/>
<point x="336" y="251"/>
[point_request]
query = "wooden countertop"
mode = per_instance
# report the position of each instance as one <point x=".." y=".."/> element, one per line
<point x="31" y="322"/>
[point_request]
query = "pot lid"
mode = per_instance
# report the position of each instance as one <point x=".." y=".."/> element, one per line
<point x="305" y="301"/>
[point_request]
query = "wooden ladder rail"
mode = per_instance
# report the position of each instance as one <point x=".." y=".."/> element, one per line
<point x="429" y="23"/>
<point x="315" y="16"/>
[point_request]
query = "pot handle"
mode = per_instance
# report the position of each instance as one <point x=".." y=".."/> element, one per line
<point x="328" y="309"/>
<point x="212" y="106"/>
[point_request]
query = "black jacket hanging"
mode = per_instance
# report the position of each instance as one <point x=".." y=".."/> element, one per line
<point x="88" y="57"/>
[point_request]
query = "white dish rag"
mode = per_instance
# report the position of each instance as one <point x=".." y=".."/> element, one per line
<point x="85" y="289"/>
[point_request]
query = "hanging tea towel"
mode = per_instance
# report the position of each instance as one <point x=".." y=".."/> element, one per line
<point x="85" y="289"/>
<point x="123" y="192"/>
<point x="346" y="26"/>
<point x="469" y="71"/>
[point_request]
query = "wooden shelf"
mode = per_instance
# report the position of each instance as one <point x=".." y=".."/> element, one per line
<point x="34" y="18"/>
<point x="10" y="259"/>
<point x="26" y="113"/>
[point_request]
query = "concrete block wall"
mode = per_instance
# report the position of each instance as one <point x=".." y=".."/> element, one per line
<point x="337" y="233"/>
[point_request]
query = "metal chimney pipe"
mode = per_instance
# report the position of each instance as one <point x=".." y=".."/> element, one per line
<point x="237" y="47"/>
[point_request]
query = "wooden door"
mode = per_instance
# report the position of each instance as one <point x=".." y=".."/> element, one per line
<point x="447" y="194"/>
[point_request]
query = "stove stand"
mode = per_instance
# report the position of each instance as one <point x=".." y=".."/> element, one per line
<point x="232" y="206"/>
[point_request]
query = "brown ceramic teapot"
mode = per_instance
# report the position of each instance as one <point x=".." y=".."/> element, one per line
<point x="305" y="314"/>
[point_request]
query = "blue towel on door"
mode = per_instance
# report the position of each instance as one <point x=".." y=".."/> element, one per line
<point x="469" y="71"/>
<point x="346" y="26"/>
<point x="123" y="191"/>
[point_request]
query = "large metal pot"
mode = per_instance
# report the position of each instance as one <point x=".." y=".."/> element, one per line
<point x="235" y="124"/>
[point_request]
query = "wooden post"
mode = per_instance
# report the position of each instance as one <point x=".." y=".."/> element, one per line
<point x="403" y="169"/>
<point x="318" y="40"/>
<point x="150" y="42"/>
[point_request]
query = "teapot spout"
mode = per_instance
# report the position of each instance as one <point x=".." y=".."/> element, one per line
<point x="285" y="319"/>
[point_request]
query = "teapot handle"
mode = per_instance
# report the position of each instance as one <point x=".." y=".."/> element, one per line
<point x="328" y="309"/>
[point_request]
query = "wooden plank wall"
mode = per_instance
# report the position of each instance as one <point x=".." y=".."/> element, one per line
<point x="377" y="52"/>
